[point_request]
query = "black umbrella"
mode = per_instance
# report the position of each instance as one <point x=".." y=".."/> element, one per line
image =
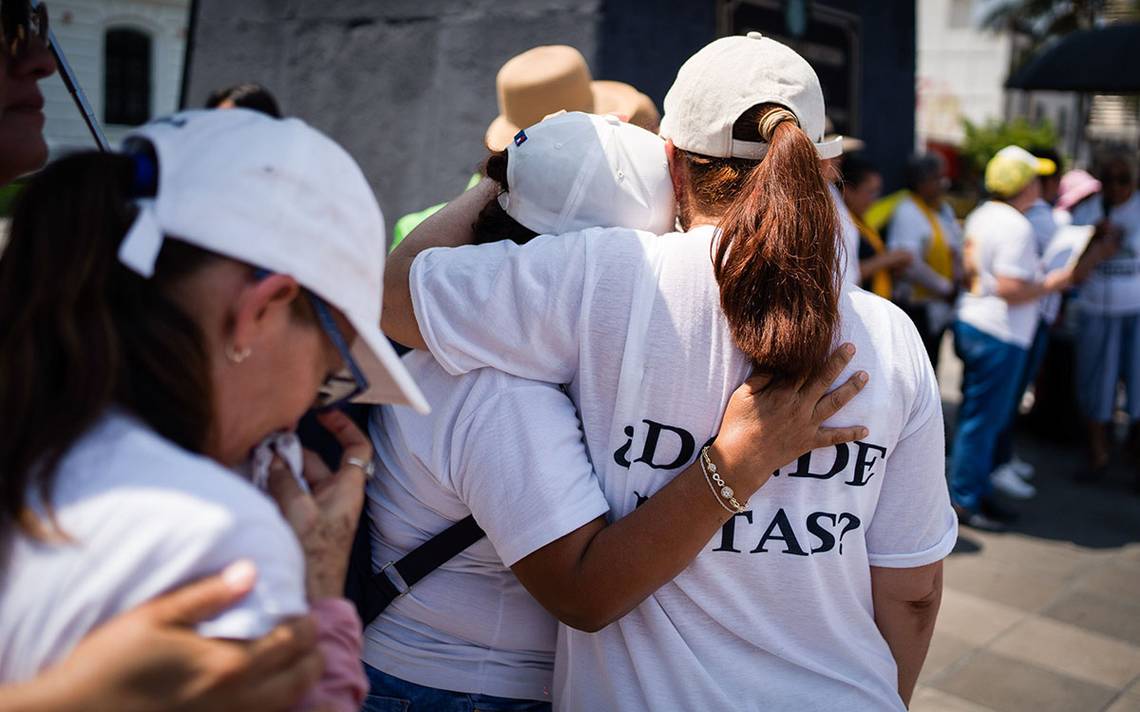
<point x="1105" y="60"/>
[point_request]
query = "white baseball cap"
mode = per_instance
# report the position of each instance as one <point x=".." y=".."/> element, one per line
<point x="576" y="170"/>
<point x="727" y="77"/>
<point x="278" y="195"/>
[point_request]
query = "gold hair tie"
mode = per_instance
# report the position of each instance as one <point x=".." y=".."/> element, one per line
<point x="769" y="122"/>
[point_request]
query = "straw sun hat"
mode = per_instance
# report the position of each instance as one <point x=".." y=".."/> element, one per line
<point x="544" y="80"/>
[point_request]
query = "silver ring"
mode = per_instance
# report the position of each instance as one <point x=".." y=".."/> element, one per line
<point x="366" y="466"/>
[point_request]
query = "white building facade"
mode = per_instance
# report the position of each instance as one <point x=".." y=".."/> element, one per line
<point x="960" y="70"/>
<point x="127" y="56"/>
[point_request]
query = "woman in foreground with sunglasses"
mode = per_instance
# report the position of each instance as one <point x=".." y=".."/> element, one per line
<point x="152" y="339"/>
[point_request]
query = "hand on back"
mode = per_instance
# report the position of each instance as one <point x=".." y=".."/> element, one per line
<point x="769" y="424"/>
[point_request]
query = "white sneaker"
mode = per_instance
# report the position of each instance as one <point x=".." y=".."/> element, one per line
<point x="1006" y="481"/>
<point x="1021" y="468"/>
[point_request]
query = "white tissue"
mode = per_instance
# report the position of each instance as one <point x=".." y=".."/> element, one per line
<point x="284" y="445"/>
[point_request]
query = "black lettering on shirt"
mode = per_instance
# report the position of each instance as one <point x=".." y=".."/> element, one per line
<point x="803" y="465"/>
<point x="787" y="535"/>
<point x="728" y="532"/>
<point x="826" y="539"/>
<point x="864" y="462"/>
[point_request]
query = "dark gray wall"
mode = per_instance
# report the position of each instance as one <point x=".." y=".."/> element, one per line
<point x="887" y="95"/>
<point x="408" y="86"/>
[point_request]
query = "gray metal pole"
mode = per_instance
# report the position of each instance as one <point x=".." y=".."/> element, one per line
<point x="76" y="91"/>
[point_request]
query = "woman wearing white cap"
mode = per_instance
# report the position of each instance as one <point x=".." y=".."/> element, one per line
<point x="819" y="595"/>
<point x="509" y="451"/>
<point x="164" y="312"/>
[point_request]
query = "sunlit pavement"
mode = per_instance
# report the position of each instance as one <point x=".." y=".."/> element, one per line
<point x="1045" y="617"/>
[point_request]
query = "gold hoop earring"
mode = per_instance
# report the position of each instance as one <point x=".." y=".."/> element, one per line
<point x="236" y="356"/>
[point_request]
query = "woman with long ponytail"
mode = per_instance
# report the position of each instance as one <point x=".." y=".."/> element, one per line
<point x="779" y="282"/>
<point x="821" y="589"/>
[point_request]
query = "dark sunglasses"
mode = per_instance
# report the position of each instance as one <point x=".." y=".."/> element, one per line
<point x="20" y="25"/>
<point x="347" y="383"/>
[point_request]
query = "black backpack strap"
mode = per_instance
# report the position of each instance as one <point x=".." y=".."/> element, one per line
<point x="396" y="577"/>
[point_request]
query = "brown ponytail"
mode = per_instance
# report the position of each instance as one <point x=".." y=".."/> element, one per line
<point x="80" y="332"/>
<point x="777" y="258"/>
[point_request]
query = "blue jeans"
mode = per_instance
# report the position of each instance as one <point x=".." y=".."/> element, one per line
<point x="991" y="372"/>
<point x="1003" y="450"/>
<point x="391" y="694"/>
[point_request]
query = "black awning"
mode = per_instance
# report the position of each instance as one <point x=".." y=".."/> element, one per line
<point x="1105" y="60"/>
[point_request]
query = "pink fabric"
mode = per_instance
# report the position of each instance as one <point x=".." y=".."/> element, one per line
<point x="343" y="685"/>
<point x="1076" y="185"/>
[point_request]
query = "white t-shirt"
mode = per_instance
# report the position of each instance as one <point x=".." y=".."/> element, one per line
<point x="774" y="613"/>
<point x="145" y="517"/>
<point x="849" y="238"/>
<point x="910" y="230"/>
<point x="508" y="451"/>
<point x="1003" y="246"/>
<point x="1113" y="289"/>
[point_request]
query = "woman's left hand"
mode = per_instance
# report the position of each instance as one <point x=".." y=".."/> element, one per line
<point x="325" y="520"/>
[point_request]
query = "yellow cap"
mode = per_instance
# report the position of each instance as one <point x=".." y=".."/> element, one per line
<point x="1013" y="168"/>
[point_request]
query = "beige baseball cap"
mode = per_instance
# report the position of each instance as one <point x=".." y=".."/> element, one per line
<point x="551" y="78"/>
<point x="727" y="77"/>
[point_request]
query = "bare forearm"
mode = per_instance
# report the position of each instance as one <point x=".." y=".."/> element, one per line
<point x="1022" y="293"/>
<point x="42" y="694"/>
<point x="1018" y="291"/>
<point x="873" y="265"/>
<point x="906" y="622"/>
<point x="626" y="561"/>
<point x="1093" y="255"/>
<point x="924" y="274"/>
<point x="451" y="226"/>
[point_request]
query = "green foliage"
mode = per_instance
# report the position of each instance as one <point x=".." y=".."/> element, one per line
<point x="8" y="195"/>
<point x="983" y="141"/>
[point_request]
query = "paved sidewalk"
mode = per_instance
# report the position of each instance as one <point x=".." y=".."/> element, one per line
<point x="1045" y="618"/>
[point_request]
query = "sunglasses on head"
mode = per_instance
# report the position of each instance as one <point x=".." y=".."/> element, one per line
<point x="21" y="25"/>
<point x="347" y="383"/>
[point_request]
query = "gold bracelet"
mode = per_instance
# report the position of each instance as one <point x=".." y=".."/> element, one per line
<point x="723" y="493"/>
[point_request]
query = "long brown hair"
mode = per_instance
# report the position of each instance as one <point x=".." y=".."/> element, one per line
<point x="777" y="257"/>
<point x="80" y="332"/>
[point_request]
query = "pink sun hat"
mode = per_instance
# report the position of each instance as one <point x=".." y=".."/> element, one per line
<point x="1076" y="185"/>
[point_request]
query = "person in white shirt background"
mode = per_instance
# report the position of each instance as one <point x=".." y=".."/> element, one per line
<point x="509" y="451"/>
<point x="996" y="321"/>
<point x="822" y="592"/>
<point x="139" y="371"/>
<point x="1108" y="337"/>
<point x="1011" y="473"/>
<point x="924" y="225"/>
